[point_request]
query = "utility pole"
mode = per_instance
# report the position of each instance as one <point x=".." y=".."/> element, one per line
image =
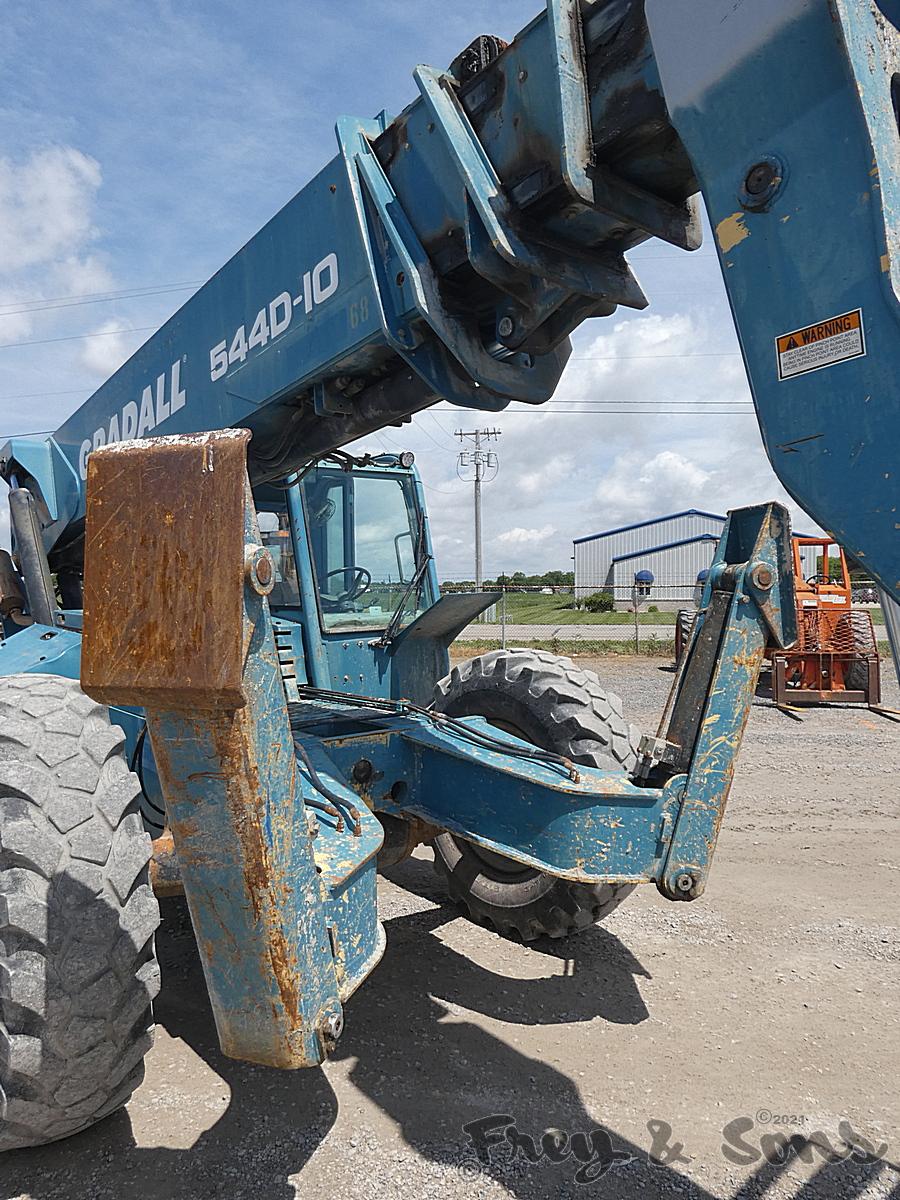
<point x="480" y="461"/>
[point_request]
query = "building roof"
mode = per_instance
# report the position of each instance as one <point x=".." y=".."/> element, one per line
<point x="688" y="512"/>
<point x="700" y="537"/>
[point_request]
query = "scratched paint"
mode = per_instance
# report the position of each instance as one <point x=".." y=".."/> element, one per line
<point x="731" y="231"/>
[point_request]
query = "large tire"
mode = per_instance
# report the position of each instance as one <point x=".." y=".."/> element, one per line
<point x="551" y="703"/>
<point x="77" y="914"/>
<point x="684" y="627"/>
<point x="856" y="675"/>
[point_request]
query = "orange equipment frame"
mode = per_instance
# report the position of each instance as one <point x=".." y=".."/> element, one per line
<point x="836" y="655"/>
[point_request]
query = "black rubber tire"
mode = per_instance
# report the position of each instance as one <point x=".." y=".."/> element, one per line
<point x="856" y="677"/>
<point x="684" y="627"/>
<point x="550" y="702"/>
<point x="77" y="914"/>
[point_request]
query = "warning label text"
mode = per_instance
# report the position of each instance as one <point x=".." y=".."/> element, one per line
<point x="835" y="340"/>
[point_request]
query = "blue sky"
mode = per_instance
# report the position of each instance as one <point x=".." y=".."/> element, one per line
<point x="144" y="143"/>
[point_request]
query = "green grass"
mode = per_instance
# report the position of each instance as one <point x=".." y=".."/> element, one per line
<point x="531" y="608"/>
<point x="650" y="647"/>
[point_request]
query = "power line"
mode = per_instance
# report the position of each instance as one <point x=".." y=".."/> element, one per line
<point x="135" y="293"/>
<point x="627" y="357"/>
<point x="77" y="337"/>
<point x="419" y="428"/>
<point x="429" y="487"/>
<point x="44" y="395"/>
<point x="79" y="303"/>
<point x="6" y="437"/>
<point x="660" y="400"/>
<point x="444" y="432"/>
<point x="639" y="412"/>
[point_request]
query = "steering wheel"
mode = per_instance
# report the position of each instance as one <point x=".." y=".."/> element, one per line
<point x="360" y="583"/>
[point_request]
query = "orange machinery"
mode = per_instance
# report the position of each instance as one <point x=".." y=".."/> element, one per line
<point x="836" y="655"/>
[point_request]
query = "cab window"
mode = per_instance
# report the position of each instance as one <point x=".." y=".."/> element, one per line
<point x="367" y="539"/>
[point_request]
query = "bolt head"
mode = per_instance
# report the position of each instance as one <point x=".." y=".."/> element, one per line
<point x="763" y="578"/>
<point x="259" y="569"/>
<point x="684" y="883"/>
<point x="363" y="771"/>
<point x="505" y="327"/>
<point x="760" y="178"/>
<point x="333" y="1026"/>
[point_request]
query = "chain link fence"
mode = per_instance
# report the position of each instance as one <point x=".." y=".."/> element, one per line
<point x="599" y="620"/>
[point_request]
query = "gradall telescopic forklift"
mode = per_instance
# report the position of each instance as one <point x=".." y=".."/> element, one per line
<point x="254" y="615"/>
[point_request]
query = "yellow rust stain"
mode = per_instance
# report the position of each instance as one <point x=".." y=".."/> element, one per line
<point x="747" y="660"/>
<point x="885" y="263"/>
<point x="732" y="231"/>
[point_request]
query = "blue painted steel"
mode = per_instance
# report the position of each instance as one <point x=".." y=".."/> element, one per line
<point x="317" y="667"/>
<point x="38" y="648"/>
<point x="598" y="826"/>
<point x="754" y="563"/>
<point x="527" y="183"/>
<point x="342" y="293"/>
<point x="245" y="856"/>
<point x="399" y="261"/>
<point x="810" y="86"/>
<point x="601" y="826"/>
<point x="270" y="926"/>
<point x="448" y="254"/>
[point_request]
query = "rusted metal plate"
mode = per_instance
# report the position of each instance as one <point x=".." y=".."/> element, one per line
<point x="164" y="563"/>
<point x="165" y="877"/>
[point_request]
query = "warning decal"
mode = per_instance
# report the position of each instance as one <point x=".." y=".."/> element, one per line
<point x="835" y="340"/>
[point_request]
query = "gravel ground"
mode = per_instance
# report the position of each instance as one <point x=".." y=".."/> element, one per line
<point x="767" y="1007"/>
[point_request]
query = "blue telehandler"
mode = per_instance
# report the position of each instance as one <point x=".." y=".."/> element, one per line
<point x="223" y="633"/>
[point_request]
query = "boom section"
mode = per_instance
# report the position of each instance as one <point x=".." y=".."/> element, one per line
<point x="449" y="252"/>
<point x="446" y="254"/>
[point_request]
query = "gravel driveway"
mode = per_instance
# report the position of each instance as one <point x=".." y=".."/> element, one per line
<point x="695" y="1032"/>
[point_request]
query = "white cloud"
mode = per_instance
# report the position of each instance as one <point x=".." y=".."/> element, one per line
<point x="105" y="352"/>
<point x="52" y="271"/>
<point x="652" y="415"/>
<point x="46" y="206"/>
<point x="525" y="537"/>
<point x="544" y="478"/>
<point x="668" y="478"/>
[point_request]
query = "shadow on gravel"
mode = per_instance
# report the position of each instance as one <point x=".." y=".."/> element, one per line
<point x="273" y="1123"/>
<point x="420" y="1058"/>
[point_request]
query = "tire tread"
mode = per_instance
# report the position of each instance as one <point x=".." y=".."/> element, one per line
<point x="77" y="916"/>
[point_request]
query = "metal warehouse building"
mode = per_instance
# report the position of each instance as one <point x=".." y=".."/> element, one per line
<point x="673" y="548"/>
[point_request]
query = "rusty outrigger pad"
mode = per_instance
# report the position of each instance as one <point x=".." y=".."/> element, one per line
<point x="163" y="571"/>
<point x="177" y="621"/>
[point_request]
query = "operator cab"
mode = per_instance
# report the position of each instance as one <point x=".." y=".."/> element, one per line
<point x="351" y="533"/>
